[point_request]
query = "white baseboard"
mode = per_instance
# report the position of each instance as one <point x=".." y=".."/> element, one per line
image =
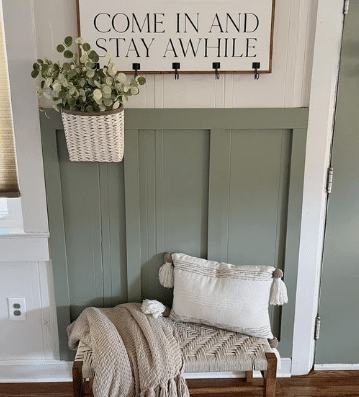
<point x="336" y="367"/>
<point x="23" y="371"/>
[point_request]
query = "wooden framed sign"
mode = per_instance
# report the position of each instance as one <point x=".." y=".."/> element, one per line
<point x="192" y="36"/>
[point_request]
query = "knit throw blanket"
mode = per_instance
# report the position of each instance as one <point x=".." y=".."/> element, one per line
<point x="133" y="354"/>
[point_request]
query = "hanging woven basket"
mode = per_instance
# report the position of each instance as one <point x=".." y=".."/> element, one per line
<point x="94" y="137"/>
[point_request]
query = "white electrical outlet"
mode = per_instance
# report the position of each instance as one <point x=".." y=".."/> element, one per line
<point x="17" y="309"/>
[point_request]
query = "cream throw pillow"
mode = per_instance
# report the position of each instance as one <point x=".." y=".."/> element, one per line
<point x="222" y="295"/>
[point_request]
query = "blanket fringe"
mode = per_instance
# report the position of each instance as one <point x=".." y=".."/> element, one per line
<point x="182" y="387"/>
<point x="164" y="391"/>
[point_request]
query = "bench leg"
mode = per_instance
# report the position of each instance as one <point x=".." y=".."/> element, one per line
<point x="270" y="376"/>
<point x="249" y="376"/>
<point x="77" y="383"/>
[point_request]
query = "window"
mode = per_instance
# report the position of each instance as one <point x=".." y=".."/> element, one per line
<point x="8" y="171"/>
<point x="10" y="216"/>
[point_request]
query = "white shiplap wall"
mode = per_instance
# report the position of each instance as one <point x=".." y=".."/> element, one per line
<point x="286" y="86"/>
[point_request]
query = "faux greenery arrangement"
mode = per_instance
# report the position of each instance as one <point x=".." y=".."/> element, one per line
<point x="79" y="84"/>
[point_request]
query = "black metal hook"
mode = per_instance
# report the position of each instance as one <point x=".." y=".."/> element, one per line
<point x="216" y="66"/>
<point x="136" y="67"/>
<point x="176" y="66"/>
<point x="256" y="66"/>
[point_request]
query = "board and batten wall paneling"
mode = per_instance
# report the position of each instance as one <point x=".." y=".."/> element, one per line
<point x="87" y="233"/>
<point x="223" y="184"/>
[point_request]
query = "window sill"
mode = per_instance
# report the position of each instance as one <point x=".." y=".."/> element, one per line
<point x="17" y="246"/>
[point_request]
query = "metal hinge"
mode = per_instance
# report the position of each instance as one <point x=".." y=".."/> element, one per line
<point x="346" y="7"/>
<point x="330" y="180"/>
<point x="317" y="327"/>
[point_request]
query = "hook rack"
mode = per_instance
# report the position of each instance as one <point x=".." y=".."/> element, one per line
<point x="216" y="66"/>
<point x="136" y="67"/>
<point x="176" y="66"/>
<point x="256" y="66"/>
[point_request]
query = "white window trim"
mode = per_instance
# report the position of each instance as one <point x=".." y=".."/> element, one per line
<point x="21" y="52"/>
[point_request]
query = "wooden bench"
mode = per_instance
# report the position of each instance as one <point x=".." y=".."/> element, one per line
<point x="205" y="349"/>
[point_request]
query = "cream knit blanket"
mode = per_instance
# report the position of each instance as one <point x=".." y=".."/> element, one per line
<point x="133" y="354"/>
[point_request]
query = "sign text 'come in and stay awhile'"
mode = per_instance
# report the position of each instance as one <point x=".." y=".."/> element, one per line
<point x="195" y="34"/>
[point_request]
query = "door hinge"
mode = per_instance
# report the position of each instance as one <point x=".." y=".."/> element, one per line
<point x="317" y="327"/>
<point x="346" y="7"/>
<point x="330" y="180"/>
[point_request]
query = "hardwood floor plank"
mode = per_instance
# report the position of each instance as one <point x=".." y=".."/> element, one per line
<point x="316" y="384"/>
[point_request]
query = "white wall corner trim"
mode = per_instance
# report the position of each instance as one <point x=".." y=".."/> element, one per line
<point x="325" y="69"/>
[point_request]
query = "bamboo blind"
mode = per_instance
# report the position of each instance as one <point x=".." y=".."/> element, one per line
<point x="8" y="170"/>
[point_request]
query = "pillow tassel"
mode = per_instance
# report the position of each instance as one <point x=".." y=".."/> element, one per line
<point x="279" y="294"/>
<point x="166" y="275"/>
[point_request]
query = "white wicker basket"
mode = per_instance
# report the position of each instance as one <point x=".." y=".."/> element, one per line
<point x="94" y="137"/>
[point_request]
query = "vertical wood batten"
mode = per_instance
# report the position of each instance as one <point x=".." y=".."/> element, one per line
<point x="160" y="193"/>
<point x="294" y="213"/>
<point x="49" y="128"/>
<point x="105" y="233"/>
<point x="218" y="207"/>
<point x="133" y="228"/>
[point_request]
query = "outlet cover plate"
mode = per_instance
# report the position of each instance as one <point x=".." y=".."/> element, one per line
<point x="17" y="309"/>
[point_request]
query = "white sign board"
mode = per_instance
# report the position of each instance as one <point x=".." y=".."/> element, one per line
<point x="194" y="34"/>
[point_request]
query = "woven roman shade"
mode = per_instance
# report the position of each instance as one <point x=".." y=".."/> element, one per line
<point x="8" y="170"/>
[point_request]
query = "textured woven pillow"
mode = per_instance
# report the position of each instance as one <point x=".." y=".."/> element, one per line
<point x="223" y="295"/>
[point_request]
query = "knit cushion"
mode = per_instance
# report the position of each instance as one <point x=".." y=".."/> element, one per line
<point x="222" y="295"/>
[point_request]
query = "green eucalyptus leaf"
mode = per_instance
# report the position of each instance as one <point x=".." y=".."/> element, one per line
<point x="90" y="73"/>
<point x="116" y="105"/>
<point x="36" y="66"/>
<point x="35" y="73"/>
<point x="108" y="102"/>
<point x="68" y="41"/>
<point x="134" y="90"/>
<point x="121" y="78"/>
<point x="40" y="61"/>
<point x="90" y="65"/>
<point x="106" y="91"/>
<point x="86" y="46"/>
<point x="66" y="66"/>
<point x="89" y="109"/>
<point x="57" y="87"/>
<point x="68" y="54"/>
<point x="44" y="68"/>
<point x="72" y="101"/>
<point x="60" y="48"/>
<point x="97" y="94"/>
<point x="141" y="80"/>
<point x="93" y="56"/>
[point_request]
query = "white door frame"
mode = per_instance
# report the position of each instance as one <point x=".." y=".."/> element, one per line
<point x="323" y="92"/>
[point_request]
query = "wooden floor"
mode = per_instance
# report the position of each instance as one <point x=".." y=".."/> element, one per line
<point x="317" y="383"/>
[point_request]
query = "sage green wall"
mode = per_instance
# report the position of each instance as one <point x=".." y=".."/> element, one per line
<point x="339" y="309"/>
<point x="223" y="184"/>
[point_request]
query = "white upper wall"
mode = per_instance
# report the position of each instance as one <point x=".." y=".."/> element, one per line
<point x="287" y="86"/>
